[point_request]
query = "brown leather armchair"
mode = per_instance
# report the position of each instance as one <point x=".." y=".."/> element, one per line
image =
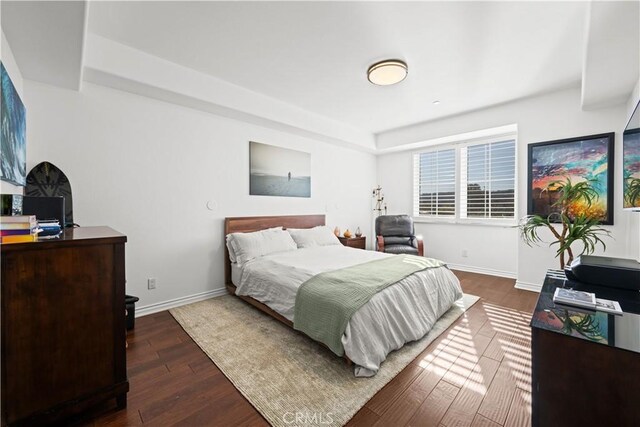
<point x="395" y="234"/>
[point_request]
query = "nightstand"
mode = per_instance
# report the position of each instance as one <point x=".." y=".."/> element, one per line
<point x="354" y="242"/>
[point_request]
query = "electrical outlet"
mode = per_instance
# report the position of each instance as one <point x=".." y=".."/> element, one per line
<point x="464" y="253"/>
<point x="151" y="283"/>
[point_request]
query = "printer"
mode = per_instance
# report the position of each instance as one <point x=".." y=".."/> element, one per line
<point x="609" y="272"/>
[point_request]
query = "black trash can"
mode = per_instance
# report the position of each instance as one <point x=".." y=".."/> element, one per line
<point x="130" y="302"/>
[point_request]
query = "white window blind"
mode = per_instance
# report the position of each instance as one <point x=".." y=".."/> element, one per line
<point x="487" y="180"/>
<point x="435" y="183"/>
<point x="467" y="181"/>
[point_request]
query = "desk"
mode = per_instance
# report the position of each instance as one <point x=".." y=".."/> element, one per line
<point x="585" y="364"/>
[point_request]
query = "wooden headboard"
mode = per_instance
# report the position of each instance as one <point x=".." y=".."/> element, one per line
<point x="248" y="224"/>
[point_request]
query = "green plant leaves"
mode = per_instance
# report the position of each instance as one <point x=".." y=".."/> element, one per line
<point x="580" y="228"/>
<point x="571" y="193"/>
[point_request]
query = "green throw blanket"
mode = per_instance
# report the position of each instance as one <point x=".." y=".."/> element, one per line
<point x="326" y="302"/>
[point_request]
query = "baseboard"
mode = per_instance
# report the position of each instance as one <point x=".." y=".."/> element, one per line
<point x="177" y="302"/>
<point x="481" y="270"/>
<point x="533" y="287"/>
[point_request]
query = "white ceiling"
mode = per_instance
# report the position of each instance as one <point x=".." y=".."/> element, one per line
<point x="302" y="65"/>
<point x="612" y="53"/>
<point x="315" y="54"/>
<point x="46" y="39"/>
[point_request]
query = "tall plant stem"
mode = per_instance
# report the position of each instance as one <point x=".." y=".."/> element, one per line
<point x="561" y="239"/>
<point x="565" y="229"/>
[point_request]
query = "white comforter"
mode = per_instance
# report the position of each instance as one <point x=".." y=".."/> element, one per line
<point x="401" y="313"/>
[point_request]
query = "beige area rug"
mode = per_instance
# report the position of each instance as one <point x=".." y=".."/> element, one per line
<point x="285" y="374"/>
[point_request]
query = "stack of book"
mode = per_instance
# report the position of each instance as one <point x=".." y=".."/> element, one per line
<point x="18" y="229"/>
<point x="50" y="228"/>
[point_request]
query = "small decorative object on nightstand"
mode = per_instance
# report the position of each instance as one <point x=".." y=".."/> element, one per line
<point x="336" y="231"/>
<point x="358" y="232"/>
<point x="354" y="242"/>
<point x="347" y="233"/>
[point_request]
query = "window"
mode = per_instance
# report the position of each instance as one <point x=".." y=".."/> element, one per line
<point x="487" y="180"/>
<point x="436" y="182"/>
<point x="468" y="181"/>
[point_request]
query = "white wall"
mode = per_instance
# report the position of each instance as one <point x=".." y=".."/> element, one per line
<point x="16" y="77"/>
<point x="446" y="241"/>
<point x="148" y="168"/>
<point x="543" y="118"/>
<point x="633" y="99"/>
<point x="112" y="64"/>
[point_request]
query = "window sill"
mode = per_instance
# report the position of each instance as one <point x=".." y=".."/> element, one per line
<point x="453" y="221"/>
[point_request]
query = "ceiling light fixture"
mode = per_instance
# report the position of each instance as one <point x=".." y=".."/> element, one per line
<point x="436" y="102"/>
<point x="387" y="72"/>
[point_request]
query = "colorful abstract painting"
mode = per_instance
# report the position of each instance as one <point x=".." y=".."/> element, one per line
<point x="631" y="162"/>
<point x="580" y="159"/>
<point x="276" y="171"/>
<point x="13" y="135"/>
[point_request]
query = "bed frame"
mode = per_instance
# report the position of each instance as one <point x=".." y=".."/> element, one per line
<point x="256" y="223"/>
<point x="249" y="224"/>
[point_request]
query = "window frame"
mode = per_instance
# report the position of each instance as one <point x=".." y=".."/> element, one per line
<point x="456" y="218"/>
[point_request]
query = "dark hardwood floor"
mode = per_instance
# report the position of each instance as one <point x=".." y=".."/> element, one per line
<point x="477" y="373"/>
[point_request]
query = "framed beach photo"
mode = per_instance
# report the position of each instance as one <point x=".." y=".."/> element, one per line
<point x="579" y="159"/>
<point x="276" y="171"/>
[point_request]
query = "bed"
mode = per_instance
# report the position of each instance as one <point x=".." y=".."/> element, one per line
<point x="402" y="312"/>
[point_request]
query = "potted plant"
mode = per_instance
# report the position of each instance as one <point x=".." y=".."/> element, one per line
<point x="566" y="224"/>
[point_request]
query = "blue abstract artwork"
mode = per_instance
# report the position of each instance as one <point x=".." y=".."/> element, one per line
<point x="13" y="133"/>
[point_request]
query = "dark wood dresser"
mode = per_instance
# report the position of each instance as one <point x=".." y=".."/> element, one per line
<point x="63" y="325"/>
<point x="585" y="364"/>
<point x="354" y="242"/>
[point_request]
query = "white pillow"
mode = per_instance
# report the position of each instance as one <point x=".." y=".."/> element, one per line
<point x="231" y="247"/>
<point x="316" y="236"/>
<point x="232" y="251"/>
<point x="247" y="246"/>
